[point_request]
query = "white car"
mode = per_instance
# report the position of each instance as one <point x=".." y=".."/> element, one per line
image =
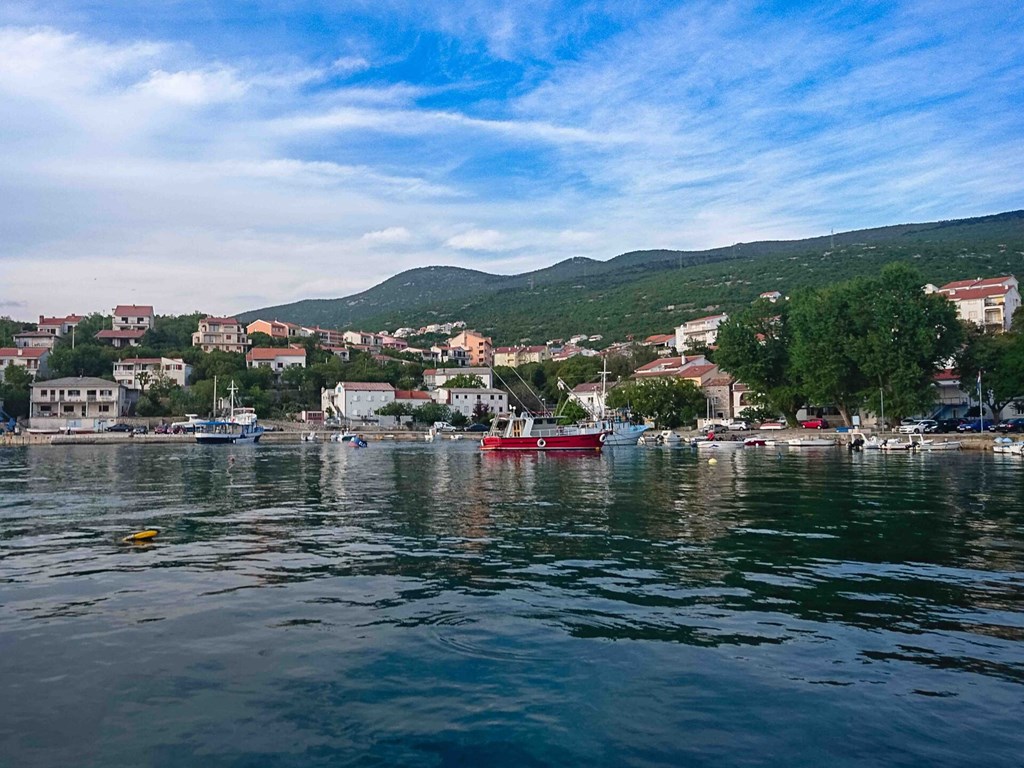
<point x="443" y="426"/>
<point x="919" y="427"/>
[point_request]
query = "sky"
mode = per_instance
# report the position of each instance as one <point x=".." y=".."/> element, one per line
<point x="225" y="155"/>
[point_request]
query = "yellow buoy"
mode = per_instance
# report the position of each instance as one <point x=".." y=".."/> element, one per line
<point x="712" y="461"/>
<point x="146" y="535"/>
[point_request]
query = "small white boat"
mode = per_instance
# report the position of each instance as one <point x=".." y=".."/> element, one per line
<point x="859" y="441"/>
<point x="310" y="437"/>
<point x="918" y="443"/>
<point x="719" y="445"/>
<point x="665" y="437"/>
<point x="810" y="442"/>
<point x="343" y="437"/>
<point x="894" y="444"/>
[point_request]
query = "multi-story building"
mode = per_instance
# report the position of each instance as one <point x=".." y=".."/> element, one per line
<point x="35" y="339"/>
<point x="479" y="347"/>
<point x="328" y="337"/>
<point x="77" y="402"/>
<point x="513" y="357"/>
<point x="276" y="329"/>
<point x="438" y="377"/>
<point x="121" y="338"/>
<point x="989" y="302"/>
<point x="466" y="400"/>
<point x="356" y="400"/>
<point x="363" y="339"/>
<point x="703" y="331"/>
<point x="772" y="296"/>
<point x="669" y="366"/>
<point x="58" y="326"/>
<point x="276" y="359"/>
<point x="223" y="333"/>
<point x="133" y="317"/>
<point x="32" y="359"/>
<point x="142" y="372"/>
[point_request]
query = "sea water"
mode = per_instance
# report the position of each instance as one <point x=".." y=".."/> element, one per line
<point x="430" y="605"/>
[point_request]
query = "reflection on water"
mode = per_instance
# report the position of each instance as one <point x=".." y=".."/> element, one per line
<point x="432" y="604"/>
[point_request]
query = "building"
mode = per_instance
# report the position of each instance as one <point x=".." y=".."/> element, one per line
<point x="513" y="357"/>
<point x="327" y="337"/>
<point x="58" y="326"/>
<point x="414" y="398"/>
<point x="718" y="390"/>
<point x="142" y="372"/>
<point x="342" y="353"/>
<point x="363" y="339"/>
<point x="703" y="331"/>
<point x="356" y="400"/>
<point x="660" y="341"/>
<point x="77" y="402"/>
<point x="466" y="400"/>
<point x="433" y="378"/>
<point x="32" y="359"/>
<point x="223" y="333"/>
<point x="479" y="347"/>
<point x="592" y="396"/>
<point x="276" y="359"/>
<point x="772" y="296"/>
<point x="35" y="339"/>
<point x="988" y="303"/>
<point x="122" y="338"/>
<point x="133" y="317"/>
<point x="275" y="329"/>
<point x="669" y="366"/>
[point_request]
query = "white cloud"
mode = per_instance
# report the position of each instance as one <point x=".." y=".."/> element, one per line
<point x="193" y="88"/>
<point x="389" y="236"/>
<point x="478" y="240"/>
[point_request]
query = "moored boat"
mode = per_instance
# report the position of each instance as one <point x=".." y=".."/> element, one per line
<point x="530" y="432"/>
<point x="810" y="442"/>
<point x="241" y="426"/>
<point x="919" y="443"/>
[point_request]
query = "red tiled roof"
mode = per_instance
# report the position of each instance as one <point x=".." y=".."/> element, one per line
<point x="142" y="360"/>
<point x="373" y="386"/>
<point x="660" y="338"/>
<point x="109" y="334"/>
<point x="718" y="381"/>
<point x="411" y="394"/>
<point x="272" y="353"/>
<point x="133" y="309"/>
<point x="695" y="371"/>
<point x="211" y="319"/>
<point x="29" y="352"/>
<point x="976" y="283"/>
<point x="706" y="317"/>
<point x="34" y="335"/>
<point x="979" y="292"/>
<point x="947" y="375"/>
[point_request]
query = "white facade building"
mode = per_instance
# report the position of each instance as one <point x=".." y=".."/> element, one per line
<point x="466" y="399"/>
<point x="989" y="303"/>
<point x="356" y="400"/>
<point x="703" y="331"/>
<point x="438" y="377"/>
<point x="223" y="333"/>
<point x="77" y="402"/>
<point x="32" y="359"/>
<point x="152" y="369"/>
<point x="276" y="359"/>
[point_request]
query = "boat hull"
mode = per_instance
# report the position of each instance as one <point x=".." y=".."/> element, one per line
<point x="586" y="442"/>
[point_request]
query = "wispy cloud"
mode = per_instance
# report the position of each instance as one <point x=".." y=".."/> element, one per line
<point x="507" y="135"/>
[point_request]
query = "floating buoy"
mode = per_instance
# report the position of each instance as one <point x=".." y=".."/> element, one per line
<point x="712" y="460"/>
<point x="146" y="535"/>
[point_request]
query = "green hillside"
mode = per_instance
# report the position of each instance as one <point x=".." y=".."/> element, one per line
<point x="645" y="292"/>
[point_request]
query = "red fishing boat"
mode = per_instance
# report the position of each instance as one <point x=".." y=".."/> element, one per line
<point x="529" y="432"/>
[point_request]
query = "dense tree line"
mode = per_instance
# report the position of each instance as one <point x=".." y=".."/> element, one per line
<point x="852" y="345"/>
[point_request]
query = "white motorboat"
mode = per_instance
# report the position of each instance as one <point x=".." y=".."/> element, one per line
<point x="618" y="430"/>
<point x="1008" y="445"/>
<point x="894" y="444"/>
<point x="919" y="443"/>
<point x="810" y="442"/>
<point x="719" y="445"/>
<point x="860" y="441"/>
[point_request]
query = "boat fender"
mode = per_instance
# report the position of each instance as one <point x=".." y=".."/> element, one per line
<point x="540" y="442"/>
<point x="603" y="436"/>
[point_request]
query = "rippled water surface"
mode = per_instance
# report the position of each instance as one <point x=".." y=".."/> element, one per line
<point x="415" y="604"/>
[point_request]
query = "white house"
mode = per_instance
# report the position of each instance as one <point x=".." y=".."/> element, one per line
<point x="465" y="400"/>
<point x="32" y="359"/>
<point x="988" y="302"/>
<point x="437" y="377"/>
<point x="133" y="317"/>
<point x="77" y="402"/>
<point x="58" y="326"/>
<point x="356" y="400"/>
<point x="223" y="333"/>
<point x="276" y="359"/>
<point x="702" y="331"/>
<point x="35" y="339"/>
<point x="142" y="372"/>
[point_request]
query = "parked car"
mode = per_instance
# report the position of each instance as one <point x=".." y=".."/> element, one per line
<point x="162" y="429"/>
<point x="1011" y="425"/>
<point x="119" y="428"/>
<point x="140" y="430"/>
<point x="739" y="425"/>
<point x="814" y="424"/>
<point x="919" y="427"/>
<point x="772" y="425"/>
<point x="716" y="427"/>
<point x="443" y="426"/>
<point x="477" y="428"/>
<point x="949" y="425"/>
<point x="974" y="425"/>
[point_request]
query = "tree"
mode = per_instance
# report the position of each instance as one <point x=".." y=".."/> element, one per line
<point x="15" y="390"/>
<point x="395" y="409"/>
<point x="905" y="338"/>
<point x="463" y="380"/>
<point x="569" y="412"/>
<point x="669" y="401"/>
<point x="754" y="346"/>
<point x="825" y="324"/>
<point x="482" y="414"/>
<point x="999" y="358"/>
<point x="431" y="412"/>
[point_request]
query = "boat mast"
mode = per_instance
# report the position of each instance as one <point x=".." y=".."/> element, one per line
<point x="232" y="389"/>
<point x="215" y="397"/>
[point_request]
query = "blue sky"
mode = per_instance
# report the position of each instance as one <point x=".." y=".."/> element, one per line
<point x="228" y="155"/>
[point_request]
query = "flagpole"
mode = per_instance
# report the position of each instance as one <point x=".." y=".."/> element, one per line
<point x="981" y="405"/>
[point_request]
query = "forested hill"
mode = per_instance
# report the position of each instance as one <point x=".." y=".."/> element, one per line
<point x="645" y="292"/>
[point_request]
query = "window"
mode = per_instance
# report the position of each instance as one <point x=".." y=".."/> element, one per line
<point x="104" y="408"/>
<point x="69" y="409"/>
<point x="90" y="392"/>
<point x="74" y="392"/>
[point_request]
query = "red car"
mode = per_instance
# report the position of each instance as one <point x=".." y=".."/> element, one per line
<point x="814" y="424"/>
